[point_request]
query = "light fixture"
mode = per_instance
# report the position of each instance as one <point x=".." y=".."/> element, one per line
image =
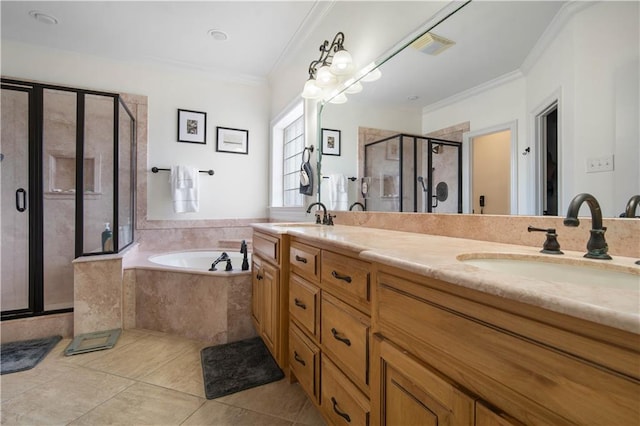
<point x="218" y="35"/>
<point x="354" y="88"/>
<point x="340" y="98"/>
<point x="327" y="71"/>
<point x="43" y="17"/>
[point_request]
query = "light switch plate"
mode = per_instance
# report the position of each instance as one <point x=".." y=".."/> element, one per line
<point x="600" y="164"/>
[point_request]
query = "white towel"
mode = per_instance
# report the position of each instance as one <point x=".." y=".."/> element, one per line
<point x="184" y="189"/>
<point x="338" y="195"/>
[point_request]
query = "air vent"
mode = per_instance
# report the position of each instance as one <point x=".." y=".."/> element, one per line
<point x="432" y="44"/>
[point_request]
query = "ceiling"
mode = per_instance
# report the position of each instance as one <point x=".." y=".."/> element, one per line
<point x="171" y="32"/>
<point x="492" y="38"/>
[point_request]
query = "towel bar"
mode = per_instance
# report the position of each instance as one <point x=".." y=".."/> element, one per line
<point x="156" y="170"/>
<point x="350" y="178"/>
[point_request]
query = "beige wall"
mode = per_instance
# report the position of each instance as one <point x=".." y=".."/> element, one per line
<point x="492" y="172"/>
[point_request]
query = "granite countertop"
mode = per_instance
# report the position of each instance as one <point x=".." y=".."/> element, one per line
<point x="438" y="257"/>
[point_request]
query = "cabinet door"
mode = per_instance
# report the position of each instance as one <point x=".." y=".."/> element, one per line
<point x="409" y="393"/>
<point x="486" y="417"/>
<point x="271" y="307"/>
<point x="257" y="298"/>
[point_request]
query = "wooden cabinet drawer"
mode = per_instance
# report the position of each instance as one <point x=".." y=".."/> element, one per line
<point x="305" y="260"/>
<point x="304" y="303"/>
<point x="304" y="361"/>
<point x="347" y="276"/>
<point x="342" y="402"/>
<point x="345" y="337"/>
<point x="267" y="246"/>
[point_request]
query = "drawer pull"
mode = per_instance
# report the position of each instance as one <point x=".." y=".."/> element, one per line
<point x="297" y="358"/>
<point x="338" y="412"/>
<point x="299" y="303"/>
<point x="259" y="277"/>
<point x="342" y="339"/>
<point x="301" y="259"/>
<point x="338" y="276"/>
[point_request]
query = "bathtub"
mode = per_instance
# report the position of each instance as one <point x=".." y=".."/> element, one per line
<point x="174" y="292"/>
<point x="199" y="260"/>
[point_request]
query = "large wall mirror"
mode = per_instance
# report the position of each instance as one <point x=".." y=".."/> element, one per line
<point x="541" y="97"/>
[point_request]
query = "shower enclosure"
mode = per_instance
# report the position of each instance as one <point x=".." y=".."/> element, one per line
<point x="67" y="161"/>
<point x="408" y="173"/>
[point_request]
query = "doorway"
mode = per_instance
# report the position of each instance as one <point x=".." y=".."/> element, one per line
<point x="547" y="135"/>
<point x="491" y="184"/>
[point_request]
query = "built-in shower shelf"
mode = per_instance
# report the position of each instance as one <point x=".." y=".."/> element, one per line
<point x="62" y="176"/>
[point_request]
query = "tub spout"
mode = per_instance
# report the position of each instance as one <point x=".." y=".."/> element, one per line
<point x="596" y="246"/>
<point x="223" y="257"/>
<point x="244" y="251"/>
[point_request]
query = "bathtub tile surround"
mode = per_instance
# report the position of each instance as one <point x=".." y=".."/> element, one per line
<point x="104" y="388"/>
<point x="194" y="305"/>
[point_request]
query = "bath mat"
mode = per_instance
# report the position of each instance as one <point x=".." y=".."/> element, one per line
<point x="26" y="354"/>
<point x="237" y="366"/>
<point x="90" y="342"/>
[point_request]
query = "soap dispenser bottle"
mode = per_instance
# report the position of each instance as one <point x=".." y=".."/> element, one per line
<point x="107" y="238"/>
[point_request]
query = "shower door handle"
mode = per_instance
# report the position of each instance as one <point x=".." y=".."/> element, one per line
<point x="434" y="198"/>
<point x="21" y="194"/>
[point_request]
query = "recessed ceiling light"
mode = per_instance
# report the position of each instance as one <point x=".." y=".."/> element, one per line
<point x="413" y="98"/>
<point x="43" y="17"/>
<point x="218" y="35"/>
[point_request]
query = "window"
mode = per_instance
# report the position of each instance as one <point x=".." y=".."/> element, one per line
<point x="293" y="145"/>
<point x="288" y="143"/>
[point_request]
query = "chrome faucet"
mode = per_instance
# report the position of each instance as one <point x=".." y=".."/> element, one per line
<point x="596" y="246"/>
<point x="632" y="205"/>
<point x="327" y="219"/>
<point x="357" y="203"/>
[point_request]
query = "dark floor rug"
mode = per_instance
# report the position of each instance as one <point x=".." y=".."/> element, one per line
<point x="26" y="354"/>
<point x="236" y="366"/>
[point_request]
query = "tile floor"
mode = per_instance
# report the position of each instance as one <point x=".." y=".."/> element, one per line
<point x="148" y="378"/>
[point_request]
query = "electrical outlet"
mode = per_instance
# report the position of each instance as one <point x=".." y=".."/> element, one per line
<point x="600" y="164"/>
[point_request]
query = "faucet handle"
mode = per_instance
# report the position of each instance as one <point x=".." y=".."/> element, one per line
<point x="551" y="244"/>
<point x="329" y="220"/>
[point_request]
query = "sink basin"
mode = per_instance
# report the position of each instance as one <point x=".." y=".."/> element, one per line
<point x="558" y="270"/>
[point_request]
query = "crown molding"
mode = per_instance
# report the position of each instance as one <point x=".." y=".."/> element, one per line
<point x="554" y="28"/>
<point x="491" y="84"/>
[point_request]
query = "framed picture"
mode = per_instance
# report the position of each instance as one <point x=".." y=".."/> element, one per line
<point x="192" y="126"/>
<point x="232" y="140"/>
<point x="330" y="142"/>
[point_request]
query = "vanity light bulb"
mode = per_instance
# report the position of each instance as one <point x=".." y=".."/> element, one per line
<point x="311" y="90"/>
<point x="342" y="64"/>
<point x="354" y="88"/>
<point x="325" y="77"/>
<point x="339" y="99"/>
<point x="372" y="76"/>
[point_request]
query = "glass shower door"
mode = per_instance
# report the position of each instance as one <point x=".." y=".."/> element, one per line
<point x="14" y="213"/>
<point x="446" y="179"/>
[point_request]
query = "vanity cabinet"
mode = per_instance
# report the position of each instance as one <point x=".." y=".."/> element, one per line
<point x="446" y="353"/>
<point x="270" y="294"/>
<point x="330" y="329"/>
<point x="412" y="394"/>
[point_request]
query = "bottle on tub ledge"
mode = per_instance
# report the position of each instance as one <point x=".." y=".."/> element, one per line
<point x="107" y="238"/>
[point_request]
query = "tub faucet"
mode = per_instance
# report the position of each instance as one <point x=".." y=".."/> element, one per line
<point x="327" y="219"/>
<point x="357" y="203"/>
<point x="596" y="246"/>
<point x="223" y="257"/>
<point x="632" y="205"/>
<point x="244" y="251"/>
